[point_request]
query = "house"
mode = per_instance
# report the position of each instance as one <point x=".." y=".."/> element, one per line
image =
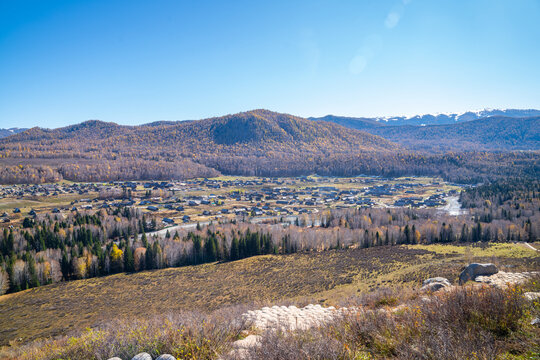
<point x="152" y="208"/>
<point x="16" y="210"/>
<point x="185" y="218"/>
<point x="168" y="221"/>
<point x="55" y="211"/>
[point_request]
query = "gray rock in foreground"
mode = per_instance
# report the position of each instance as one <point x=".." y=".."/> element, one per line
<point x="166" y="357"/>
<point x="142" y="356"/>
<point x="474" y="270"/>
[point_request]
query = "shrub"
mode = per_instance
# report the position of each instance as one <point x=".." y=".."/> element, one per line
<point x="187" y="335"/>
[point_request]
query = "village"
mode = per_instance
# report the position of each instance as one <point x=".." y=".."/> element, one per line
<point x="225" y="199"/>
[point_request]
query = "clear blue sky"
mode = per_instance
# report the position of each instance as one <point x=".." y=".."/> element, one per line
<point x="131" y="61"/>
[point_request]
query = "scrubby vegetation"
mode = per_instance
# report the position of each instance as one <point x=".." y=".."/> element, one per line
<point x="465" y="323"/>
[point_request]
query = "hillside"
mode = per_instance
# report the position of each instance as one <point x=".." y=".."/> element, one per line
<point x="258" y="142"/>
<point x="494" y="133"/>
<point x="325" y="277"/>
<point x="249" y="131"/>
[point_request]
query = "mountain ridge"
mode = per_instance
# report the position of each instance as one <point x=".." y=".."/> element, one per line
<point x="439" y="118"/>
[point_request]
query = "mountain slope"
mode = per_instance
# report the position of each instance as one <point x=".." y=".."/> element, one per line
<point x="258" y="142"/>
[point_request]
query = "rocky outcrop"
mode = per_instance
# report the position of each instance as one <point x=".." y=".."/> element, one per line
<point x="502" y="279"/>
<point x="473" y="270"/>
<point x="291" y="317"/>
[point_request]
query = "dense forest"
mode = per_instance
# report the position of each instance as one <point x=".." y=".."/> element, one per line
<point x="53" y="248"/>
<point x="260" y="143"/>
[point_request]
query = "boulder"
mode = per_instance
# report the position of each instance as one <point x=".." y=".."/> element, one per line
<point x="432" y="287"/>
<point x="142" y="356"/>
<point x="114" y="358"/>
<point x="474" y="270"/>
<point x="535" y="321"/>
<point x="166" y="357"/>
<point x="436" y="280"/>
<point x="434" y="284"/>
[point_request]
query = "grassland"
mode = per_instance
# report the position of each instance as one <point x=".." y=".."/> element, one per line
<point x="326" y="277"/>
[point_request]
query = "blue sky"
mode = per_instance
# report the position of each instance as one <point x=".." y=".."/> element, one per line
<point x="131" y="61"/>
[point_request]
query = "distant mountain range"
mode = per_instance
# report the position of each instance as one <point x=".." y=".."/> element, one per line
<point x="514" y="130"/>
<point x="429" y="119"/>
<point x="11" y="131"/>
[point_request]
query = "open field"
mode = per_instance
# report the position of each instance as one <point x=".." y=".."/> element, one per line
<point x="326" y="277"/>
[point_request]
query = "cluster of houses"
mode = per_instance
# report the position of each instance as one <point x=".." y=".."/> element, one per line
<point x="26" y="190"/>
<point x="242" y="197"/>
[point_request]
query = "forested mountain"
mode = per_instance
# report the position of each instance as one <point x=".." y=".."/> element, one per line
<point x="254" y="143"/>
<point x="248" y="133"/>
<point x="494" y="133"/>
<point x="251" y="143"/>
<point x="429" y="119"/>
<point x="11" y="131"/>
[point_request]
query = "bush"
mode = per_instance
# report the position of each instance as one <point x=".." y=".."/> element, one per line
<point x="187" y="335"/>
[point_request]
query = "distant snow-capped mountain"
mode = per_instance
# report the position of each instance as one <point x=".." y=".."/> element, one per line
<point x="442" y="119"/>
<point x="11" y="131"/>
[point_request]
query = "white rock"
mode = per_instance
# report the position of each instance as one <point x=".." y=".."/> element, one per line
<point x="142" y="356"/>
<point x="166" y="357"/>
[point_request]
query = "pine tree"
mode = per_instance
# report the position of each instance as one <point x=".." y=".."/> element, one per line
<point x="129" y="260"/>
<point x="65" y="266"/>
<point x="235" y="249"/>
